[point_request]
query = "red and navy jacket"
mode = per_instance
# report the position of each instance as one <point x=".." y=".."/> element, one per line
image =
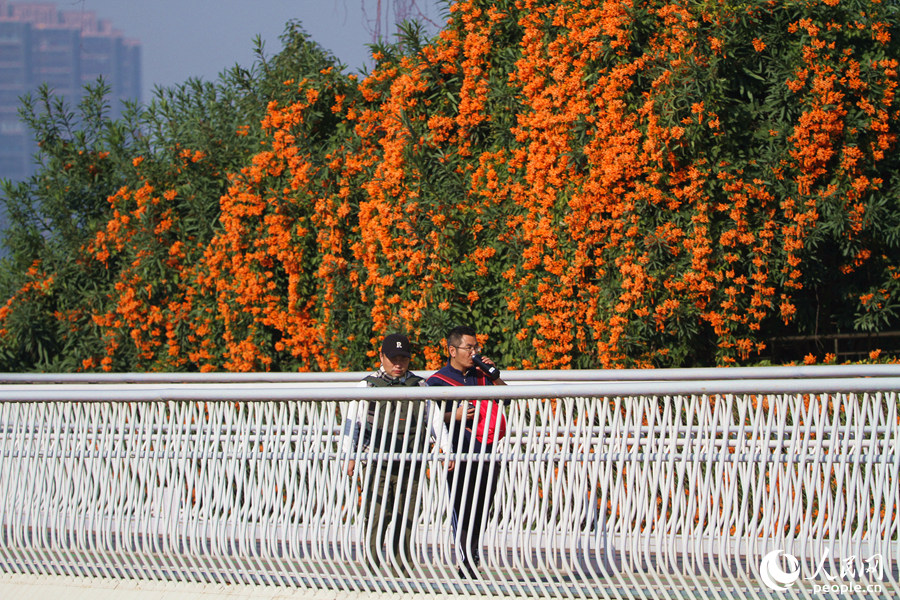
<point x="473" y="376"/>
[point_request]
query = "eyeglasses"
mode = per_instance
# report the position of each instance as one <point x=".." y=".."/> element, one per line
<point x="477" y="349"/>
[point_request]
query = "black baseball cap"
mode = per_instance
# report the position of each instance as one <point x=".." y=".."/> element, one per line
<point x="395" y="345"/>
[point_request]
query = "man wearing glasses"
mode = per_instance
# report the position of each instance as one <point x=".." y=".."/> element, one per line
<point x="475" y="428"/>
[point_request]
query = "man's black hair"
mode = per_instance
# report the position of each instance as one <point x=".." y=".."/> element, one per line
<point x="455" y="336"/>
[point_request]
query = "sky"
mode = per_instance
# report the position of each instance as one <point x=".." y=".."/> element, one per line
<point x="201" y="38"/>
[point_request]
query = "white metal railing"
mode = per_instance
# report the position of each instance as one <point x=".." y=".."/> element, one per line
<point x="679" y="488"/>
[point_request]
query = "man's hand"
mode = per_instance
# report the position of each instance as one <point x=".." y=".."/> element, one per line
<point x="466" y="411"/>
<point x="351" y="464"/>
<point x="499" y="380"/>
<point x="488" y="361"/>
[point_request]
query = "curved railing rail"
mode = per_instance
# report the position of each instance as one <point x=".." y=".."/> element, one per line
<point x="629" y="489"/>
<point x="513" y="376"/>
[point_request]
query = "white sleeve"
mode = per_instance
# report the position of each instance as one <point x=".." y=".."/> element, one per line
<point x="438" y="427"/>
<point x="353" y="420"/>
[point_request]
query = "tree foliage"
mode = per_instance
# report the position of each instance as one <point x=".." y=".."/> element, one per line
<point x="589" y="184"/>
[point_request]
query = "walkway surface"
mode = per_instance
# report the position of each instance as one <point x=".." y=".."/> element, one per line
<point x="26" y="587"/>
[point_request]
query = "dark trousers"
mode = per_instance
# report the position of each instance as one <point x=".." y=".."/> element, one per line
<point x="472" y="486"/>
<point x="391" y="493"/>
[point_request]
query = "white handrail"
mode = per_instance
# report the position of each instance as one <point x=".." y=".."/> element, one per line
<point x="680" y="488"/>
<point x="512" y="376"/>
<point x="310" y="393"/>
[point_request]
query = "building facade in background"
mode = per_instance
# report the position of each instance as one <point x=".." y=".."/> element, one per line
<point x="66" y="50"/>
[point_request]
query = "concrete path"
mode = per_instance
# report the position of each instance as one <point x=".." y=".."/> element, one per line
<point x="26" y="587"/>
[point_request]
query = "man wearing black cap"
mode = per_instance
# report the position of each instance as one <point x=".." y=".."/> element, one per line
<point x="391" y="482"/>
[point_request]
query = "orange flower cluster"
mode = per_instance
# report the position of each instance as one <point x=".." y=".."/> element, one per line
<point x="571" y="178"/>
<point x="144" y="311"/>
<point x="38" y="284"/>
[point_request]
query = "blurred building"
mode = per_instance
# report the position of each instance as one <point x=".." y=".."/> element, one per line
<point x="66" y="50"/>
